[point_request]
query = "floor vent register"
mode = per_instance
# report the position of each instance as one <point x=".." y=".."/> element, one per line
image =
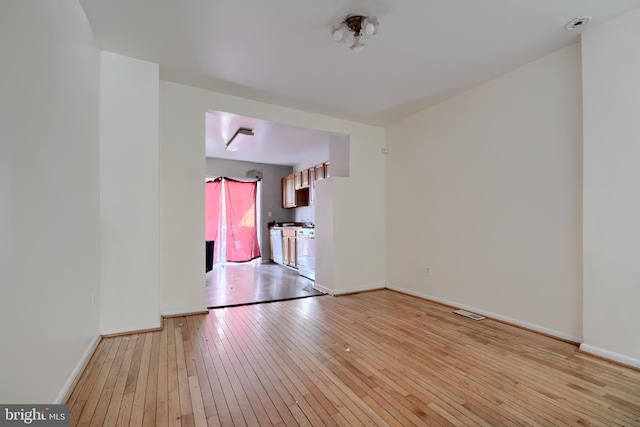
<point x="468" y="314"/>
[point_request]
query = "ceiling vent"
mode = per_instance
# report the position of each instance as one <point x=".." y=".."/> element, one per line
<point x="577" y="23"/>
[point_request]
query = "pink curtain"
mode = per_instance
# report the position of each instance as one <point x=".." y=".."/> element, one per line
<point x="240" y="211"/>
<point x="212" y="209"/>
<point x="231" y="222"/>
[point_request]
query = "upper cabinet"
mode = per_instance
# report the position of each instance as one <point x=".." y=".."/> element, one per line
<point x="312" y="184"/>
<point x="297" y="180"/>
<point x="298" y="189"/>
<point x="301" y="179"/>
<point x="293" y="197"/>
<point x="288" y="192"/>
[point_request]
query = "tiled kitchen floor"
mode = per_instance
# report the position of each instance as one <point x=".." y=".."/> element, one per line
<point x="232" y="284"/>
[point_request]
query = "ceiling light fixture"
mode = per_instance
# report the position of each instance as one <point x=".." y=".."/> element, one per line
<point x="362" y="27"/>
<point x="240" y="131"/>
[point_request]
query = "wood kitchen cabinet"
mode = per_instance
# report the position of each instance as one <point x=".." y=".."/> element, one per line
<point x="311" y="172"/>
<point x="302" y="197"/>
<point x="298" y="189"/>
<point x="293" y="197"/>
<point x="301" y="179"/>
<point x="289" y="252"/>
<point x="288" y="192"/>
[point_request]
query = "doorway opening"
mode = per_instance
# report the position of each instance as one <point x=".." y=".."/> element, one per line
<point x="235" y="273"/>
<point x="274" y="151"/>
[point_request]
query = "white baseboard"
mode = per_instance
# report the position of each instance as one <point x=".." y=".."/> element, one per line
<point x="174" y="313"/>
<point x="606" y="354"/>
<point x="132" y="329"/>
<point x="365" y="288"/>
<point x="323" y="289"/>
<point x="77" y="370"/>
<point x="344" y="291"/>
<point x="533" y="327"/>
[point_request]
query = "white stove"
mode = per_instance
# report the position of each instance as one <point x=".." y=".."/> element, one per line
<point x="306" y="252"/>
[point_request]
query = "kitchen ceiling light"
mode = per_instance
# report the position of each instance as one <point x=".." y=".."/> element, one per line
<point x="240" y="131"/>
<point x="362" y="26"/>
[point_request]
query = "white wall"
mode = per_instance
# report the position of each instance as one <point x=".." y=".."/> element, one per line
<point x="49" y="217"/>
<point x="611" y="66"/>
<point x="338" y="156"/>
<point x="485" y="188"/>
<point x="361" y="197"/>
<point x="129" y="194"/>
<point x="307" y="213"/>
<point x="325" y="255"/>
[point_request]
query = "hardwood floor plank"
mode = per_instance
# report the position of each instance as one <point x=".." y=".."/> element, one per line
<point x="137" y="408"/>
<point x="173" y="385"/>
<point x="299" y="416"/>
<point x="93" y="397"/>
<point x="98" y="417"/>
<point x="162" y="406"/>
<point x="200" y="370"/>
<point x="88" y="381"/>
<point x="199" y="416"/>
<point x="409" y="362"/>
<point x="151" y="392"/>
<point x="216" y="408"/>
<point x="263" y="406"/>
<point x="269" y="374"/>
<point x="181" y="369"/>
<point x="117" y="395"/>
<point x="315" y="411"/>
<point x="224" y="371"/>
<point x="130" y="387"/>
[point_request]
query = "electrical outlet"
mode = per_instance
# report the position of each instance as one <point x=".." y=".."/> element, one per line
<point x="428" y="271"/>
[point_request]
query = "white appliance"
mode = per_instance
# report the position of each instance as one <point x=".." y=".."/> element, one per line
<point x="306" y="252"/>
<point x="276" y="242"/>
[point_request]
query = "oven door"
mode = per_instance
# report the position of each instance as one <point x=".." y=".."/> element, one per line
<point x="306" y="252"/>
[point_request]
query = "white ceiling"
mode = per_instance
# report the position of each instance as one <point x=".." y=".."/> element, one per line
<point x="281" y="51"/>
<point x="272" y="143"/>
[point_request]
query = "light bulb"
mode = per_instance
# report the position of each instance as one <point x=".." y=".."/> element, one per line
<point x="370" y="26"/>
<point x="339" y="33"/>
<point x="368" y="29"/>
<point x="358" y="44"/>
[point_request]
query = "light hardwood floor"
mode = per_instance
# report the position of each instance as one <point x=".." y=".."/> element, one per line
<point x="377" y="358"/>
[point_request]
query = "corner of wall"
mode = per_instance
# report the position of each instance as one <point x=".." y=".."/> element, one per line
<point x="68" y="386"/>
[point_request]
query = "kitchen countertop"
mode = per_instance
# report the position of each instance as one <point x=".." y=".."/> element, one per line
<point x="290" y="225"/>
